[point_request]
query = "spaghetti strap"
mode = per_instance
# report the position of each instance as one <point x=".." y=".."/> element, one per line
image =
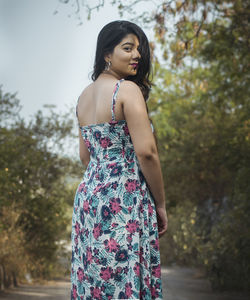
<point x="114" y="98"/>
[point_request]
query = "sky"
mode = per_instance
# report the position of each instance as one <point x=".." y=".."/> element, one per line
<point x="47" y="58"/>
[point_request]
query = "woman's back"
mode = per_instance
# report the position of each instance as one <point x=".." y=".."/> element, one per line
<point x="94" y="105"/>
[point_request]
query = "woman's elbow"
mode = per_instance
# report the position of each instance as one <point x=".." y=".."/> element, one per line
<point x="147" y="152"/>
<point x="85" y="161"/>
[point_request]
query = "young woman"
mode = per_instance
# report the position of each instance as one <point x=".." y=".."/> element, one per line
<point x="119" y="208"/>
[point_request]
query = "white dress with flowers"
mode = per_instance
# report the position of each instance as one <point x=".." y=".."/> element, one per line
<point x="115" y="242"/>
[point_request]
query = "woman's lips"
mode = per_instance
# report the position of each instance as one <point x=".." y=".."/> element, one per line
<point x="134" y="65"/>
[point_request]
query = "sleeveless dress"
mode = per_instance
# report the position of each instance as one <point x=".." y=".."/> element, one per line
<point x="115" y="242"/>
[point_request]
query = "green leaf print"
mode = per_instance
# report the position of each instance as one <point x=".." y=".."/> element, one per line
<point x="109" y="288"/>
<point x="113" y="234"/>
<point x="121" y="219"/>
<point x="106" y="225"/>
<point x="121" y="239"/>
<point x="137" y="283"/>
<point x="80" y="288"/>
<point x="93" y="270"/>
<point x="95" y="201"/>
<point x="135" y="246"/>
<point x="128" y="199"/>
<point x="125" y="210"/>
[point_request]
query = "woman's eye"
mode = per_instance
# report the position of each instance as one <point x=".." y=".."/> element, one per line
<point x="127" y="49"/>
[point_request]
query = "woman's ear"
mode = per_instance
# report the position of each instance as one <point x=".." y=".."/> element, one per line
<point x="107" y="57"/>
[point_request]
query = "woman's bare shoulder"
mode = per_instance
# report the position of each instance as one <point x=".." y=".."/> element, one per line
<point x="129" y="89"/>
<point x="88" y="90"/>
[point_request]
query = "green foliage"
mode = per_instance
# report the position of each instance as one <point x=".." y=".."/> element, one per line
<point x="35" y="195"/>
<point x="200" y="109"/>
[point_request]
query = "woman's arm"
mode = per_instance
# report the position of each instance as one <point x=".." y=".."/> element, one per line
<point x="83" y="150"/>
<point x="140" y="130"/>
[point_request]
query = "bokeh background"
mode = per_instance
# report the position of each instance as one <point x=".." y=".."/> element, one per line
<point x="199" y="105"/>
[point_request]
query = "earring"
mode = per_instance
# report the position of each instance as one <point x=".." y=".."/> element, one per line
<point x="107" y="66"/>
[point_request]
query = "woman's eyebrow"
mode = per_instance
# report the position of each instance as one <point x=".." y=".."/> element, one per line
<point x="127" y="43"/>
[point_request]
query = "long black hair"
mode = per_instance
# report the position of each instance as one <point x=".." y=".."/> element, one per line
<point x="109" y="37"/>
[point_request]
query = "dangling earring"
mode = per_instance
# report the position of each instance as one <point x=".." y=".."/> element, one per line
<point x="107" y="66"/>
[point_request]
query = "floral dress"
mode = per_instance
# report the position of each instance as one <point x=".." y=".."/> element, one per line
<point x="115" y="242"/>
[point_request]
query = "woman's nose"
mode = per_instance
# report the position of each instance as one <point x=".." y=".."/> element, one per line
<point x="136" y="54"/>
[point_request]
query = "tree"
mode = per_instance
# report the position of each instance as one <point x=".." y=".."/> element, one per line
<point x="34" y="191"/>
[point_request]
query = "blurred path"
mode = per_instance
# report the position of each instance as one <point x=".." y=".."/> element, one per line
<point x="54" y="290"/>
<point x="178" y="284"/>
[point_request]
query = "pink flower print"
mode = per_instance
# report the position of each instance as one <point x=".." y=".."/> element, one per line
<point x="96" y="293"/>
<point x="118" y="270"/>
<point x="114" y="185"/>
<point x="147" y="281"/>
<point x="111" y="245"/>
<point x="74" y="292"/>
<point x="157" y="271"/>
<point x="76" y="240"/>
<point x="97" y="189"/>
<point x="89" y="255"/>
<point x="116" y="171"/>
<point x="141" y="255"/>
<point x="114" y="225"/>
<point x="128" y="289"/>
<point x="77" y="228"/>
<point x="106" y="273"/>
<point x="155" y="244"/>
<point x="129" y="209"/>
<point x="115" y="205"/>
<point x="132" y="226"/>
<point x="141" y="208"/>
<point x="105" y="142"/>
<point x="154" y="293"/>
<point x="131" y="185"/>
<point x="137" y="269"/>
<point x="125" y="129"/>
<point x="96" y="251"/>
<point x="80" y="274"/>
<point x="81" y="186"/>
<point x="150" y="209"/>
<point x="87" y="143"/>
<point x="97" y="231"/>
<point x="112" y="165"/>
<point x="129" y="239"/>
<point x="86" y="206"/>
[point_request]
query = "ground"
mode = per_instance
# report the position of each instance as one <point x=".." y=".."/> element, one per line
<point x="179" y="283"/>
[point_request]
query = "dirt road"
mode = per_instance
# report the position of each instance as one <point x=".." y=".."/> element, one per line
<point x="178" y="284"/>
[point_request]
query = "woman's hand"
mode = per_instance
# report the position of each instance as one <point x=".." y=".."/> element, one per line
<point x="162" y="220"/>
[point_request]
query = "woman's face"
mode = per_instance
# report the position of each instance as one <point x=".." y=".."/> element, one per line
<point x="125" y="57"/>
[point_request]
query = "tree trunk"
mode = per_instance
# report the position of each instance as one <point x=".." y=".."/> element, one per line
<point x="1" y="278"/>
<point x="14" y="279"/>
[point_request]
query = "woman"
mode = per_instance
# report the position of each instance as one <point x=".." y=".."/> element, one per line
<point x="115" y="235"/>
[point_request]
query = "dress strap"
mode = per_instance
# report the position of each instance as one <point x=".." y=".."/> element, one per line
<point x="114" y="98"/>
